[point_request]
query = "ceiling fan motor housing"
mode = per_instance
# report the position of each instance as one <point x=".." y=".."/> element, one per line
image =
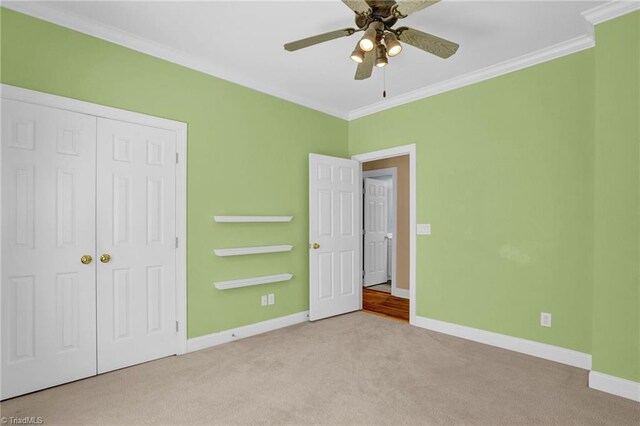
<point x="381" y="11"/>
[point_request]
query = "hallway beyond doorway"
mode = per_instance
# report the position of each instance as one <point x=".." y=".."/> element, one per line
<point x="382" y="303"/>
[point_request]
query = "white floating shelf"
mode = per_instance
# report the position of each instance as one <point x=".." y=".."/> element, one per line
<point x="225" y="285"/>
<point x="253" y="218"/>
<point x="251" y="250"/>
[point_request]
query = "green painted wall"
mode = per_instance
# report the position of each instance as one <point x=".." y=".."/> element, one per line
<point x="531" y="182"/>
<point x="247" y="155"/>
<point x="616" y="308"/>
<point x="505" y="177"/>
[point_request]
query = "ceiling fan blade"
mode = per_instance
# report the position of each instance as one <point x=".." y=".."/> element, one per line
<point x="358" y="6"/>
<point x="365" y="68"/>
<point x="407" y="7"/>
<point x="320" y="38"/>
<point x="427" y="42"/>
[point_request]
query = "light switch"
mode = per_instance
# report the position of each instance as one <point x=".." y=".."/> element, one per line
<point x="424" y="229"/>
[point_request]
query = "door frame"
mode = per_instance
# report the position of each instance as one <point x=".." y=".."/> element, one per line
<point x="393" y="172"/>
<point x="180" y="128"/>
<point x="397" y="151"/>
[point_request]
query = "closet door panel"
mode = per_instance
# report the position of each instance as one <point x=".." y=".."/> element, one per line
<point x="48" y="224"/>
<point x="136" y="228"/>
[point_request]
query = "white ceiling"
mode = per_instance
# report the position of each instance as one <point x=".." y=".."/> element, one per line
<point x="242" y="41"/>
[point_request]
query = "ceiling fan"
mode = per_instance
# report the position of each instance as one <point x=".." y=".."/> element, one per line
<point x="376" y="18"/>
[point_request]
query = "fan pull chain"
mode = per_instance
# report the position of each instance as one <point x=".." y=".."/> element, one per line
<point x="384" y="82"/>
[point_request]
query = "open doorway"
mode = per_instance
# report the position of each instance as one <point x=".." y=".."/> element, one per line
<point x="385" y="242"/>
<point x="335" y="232"/>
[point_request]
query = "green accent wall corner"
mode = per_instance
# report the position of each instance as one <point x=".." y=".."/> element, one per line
<point x="616" y="292"/>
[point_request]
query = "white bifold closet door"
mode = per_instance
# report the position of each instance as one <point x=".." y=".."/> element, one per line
<point x="48" y="224"/>
<point x="136" y="219"/>
<point x="75" y="186"/>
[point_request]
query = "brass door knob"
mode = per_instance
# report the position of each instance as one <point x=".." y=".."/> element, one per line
<point x="105" y="258"/>
<point x="316" y="246"/>
<point x="86" y="259"/>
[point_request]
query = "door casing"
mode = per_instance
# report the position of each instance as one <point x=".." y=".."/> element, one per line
<point x="60" y="102"/>
<point x="409" y="150"/>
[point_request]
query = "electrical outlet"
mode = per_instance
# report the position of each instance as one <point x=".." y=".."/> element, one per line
<point x="272" y="298"/>
<point x="545" y="319"/>
<point x="263" y="300"/>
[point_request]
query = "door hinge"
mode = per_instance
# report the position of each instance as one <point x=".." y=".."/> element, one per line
<point x="176" y="325"/>
<point x="176" y="158"/>
<point x="364" y="232"/>
<point x="176" y="242"/>
<point x="363" y="274"/>
<point x="364" y="190"/>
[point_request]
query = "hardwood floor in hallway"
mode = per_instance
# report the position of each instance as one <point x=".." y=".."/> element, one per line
<point x="382" y="303"/>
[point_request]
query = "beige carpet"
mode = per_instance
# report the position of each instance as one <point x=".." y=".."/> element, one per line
<point x="354" y="369"/>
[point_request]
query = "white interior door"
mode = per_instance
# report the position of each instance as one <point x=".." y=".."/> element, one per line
<point x="376" y="199"/>
<point x="334" y="236"/>
<point x="48" y="224"/>
<point x="136" y="227"/>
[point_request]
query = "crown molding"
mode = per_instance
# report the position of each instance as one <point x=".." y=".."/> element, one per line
<point x="539" y="56"/>
<point x="594" y="16"/>
<point x="131" y="41"/>
<point x="611" y="10"/>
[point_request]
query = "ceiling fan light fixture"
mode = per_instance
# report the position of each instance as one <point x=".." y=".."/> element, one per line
<point x="358" y="54"/>
<point x="381" y="56"/>
<point x="368" y="40"/>
<point x="376" y="20"/>
<point x="393" y="45"/>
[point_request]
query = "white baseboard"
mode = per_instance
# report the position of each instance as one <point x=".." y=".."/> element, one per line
<point x="400" y="292"/>
<point x="614" y="385"/>
<point x="516" y="344"/>
<point x="214" y="339"/>
<point x="599" y="381"/>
